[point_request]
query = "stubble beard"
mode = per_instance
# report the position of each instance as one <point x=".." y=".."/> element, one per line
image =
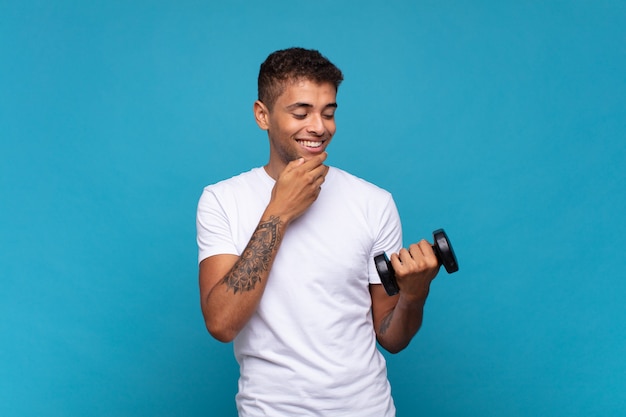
<point x="287" y="154"/>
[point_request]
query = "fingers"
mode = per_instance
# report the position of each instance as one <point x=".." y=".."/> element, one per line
<point x="425" y="250"/>
<point x="310" y="163"/>
<point x="418" y="257"/>
<point x="415" y="268"/>
<point x="313" y="170"/>
<point x="317" y="159"/>
<point x="316" y="168"/>
<point x="298" y="186"/>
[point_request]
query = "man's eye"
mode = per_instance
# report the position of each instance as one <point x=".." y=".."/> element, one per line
<point x="329" y="116"/>
<point x="299" y="116"/>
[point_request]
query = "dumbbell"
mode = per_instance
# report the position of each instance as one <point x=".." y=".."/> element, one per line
<point x="442" y="248"/>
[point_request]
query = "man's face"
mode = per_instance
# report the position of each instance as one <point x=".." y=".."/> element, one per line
<point x="300" y="124"/>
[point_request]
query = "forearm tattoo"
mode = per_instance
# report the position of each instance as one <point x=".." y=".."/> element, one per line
<point x="386" y="321"/>
<point x="256" y="258"/>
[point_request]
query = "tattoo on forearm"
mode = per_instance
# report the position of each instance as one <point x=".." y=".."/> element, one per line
<point x="384" y="324"/>
<point x="256" y="258"/>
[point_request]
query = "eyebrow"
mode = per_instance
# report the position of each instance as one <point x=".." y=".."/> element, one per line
<point x="308" y="106"/>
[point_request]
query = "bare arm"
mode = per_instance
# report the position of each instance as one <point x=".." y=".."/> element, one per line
<point x="231" y="286"/>
<point x="398" y="318"/>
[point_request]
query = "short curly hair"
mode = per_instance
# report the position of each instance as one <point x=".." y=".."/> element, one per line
<point x="292" y="64"/>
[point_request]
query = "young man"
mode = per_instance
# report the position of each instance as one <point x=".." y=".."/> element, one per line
<point x="286" y="261"/>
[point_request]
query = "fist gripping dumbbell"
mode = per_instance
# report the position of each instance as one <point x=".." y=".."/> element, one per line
<point x="442" y="248"/>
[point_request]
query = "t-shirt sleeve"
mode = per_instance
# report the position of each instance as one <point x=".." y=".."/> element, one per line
<point x="388" y="237"/>
<point x="214" y="235"/>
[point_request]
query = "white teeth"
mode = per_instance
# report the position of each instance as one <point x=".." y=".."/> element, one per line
<point x="310" y="144"/>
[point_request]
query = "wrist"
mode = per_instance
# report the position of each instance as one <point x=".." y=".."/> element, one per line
<point x="275" y="213"/>
<point x="413" y="300"/>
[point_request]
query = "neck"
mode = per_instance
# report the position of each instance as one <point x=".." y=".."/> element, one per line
<point x="272" y="171"/>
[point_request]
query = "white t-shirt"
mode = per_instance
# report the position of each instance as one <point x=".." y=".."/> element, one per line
<point x="310" y="348"/>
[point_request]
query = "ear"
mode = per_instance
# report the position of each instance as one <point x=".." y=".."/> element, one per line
<point x="261" y="115"/>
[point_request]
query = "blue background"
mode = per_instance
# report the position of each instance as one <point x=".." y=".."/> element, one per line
<point x="503" y="122"/>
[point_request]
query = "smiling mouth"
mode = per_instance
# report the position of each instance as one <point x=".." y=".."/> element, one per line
<point x="310" y="143"/>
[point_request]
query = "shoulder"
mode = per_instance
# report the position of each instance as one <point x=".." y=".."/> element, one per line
<point x="247" y="183"/>
<point x="354" y="184"/>
<point x="248" y="178"/>
<point x="248" y="186"/>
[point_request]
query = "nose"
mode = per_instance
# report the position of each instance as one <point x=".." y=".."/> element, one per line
<point x="316" y="125"/>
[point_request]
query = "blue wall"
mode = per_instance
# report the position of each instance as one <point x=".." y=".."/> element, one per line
<point x="503" y="122"/>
